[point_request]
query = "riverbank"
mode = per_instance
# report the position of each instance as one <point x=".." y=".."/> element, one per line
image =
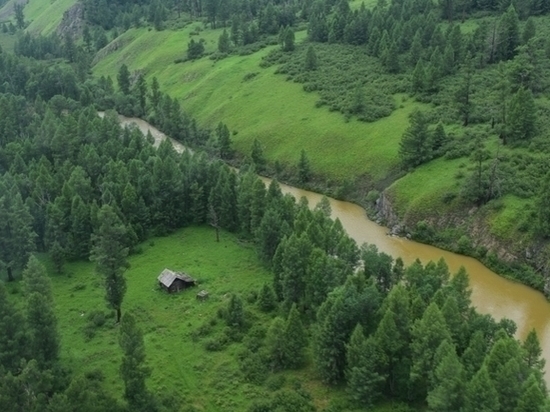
<point x="491" y="293"/>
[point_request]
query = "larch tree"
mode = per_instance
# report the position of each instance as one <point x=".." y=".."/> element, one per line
<point x="123" y="78"/>
<point x="414" y="148"/>
<point x="133" y="370"/>
<point x="109" y="252"/>
<point x="481" y="395"/>
<point x="41" y="320"/>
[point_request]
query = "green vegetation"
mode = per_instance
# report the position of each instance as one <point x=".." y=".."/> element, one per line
<point x="448" y="120"/>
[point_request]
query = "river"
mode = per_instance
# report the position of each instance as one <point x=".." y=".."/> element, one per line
<point x="491" y="293"/>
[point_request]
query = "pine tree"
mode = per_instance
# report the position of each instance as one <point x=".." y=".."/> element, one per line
<point x="473" y="356"/>
<point x="365" y="360"/>
<point x="532" y="398"/>
<point x="507" y="385"/>
<point x="533" y="352"/>
<point x="304" y="171"/>
<point x="123" y="78"/>
<point x="275" y="343"/>
<point x="295" y="260"/>
<point x="481" y="395"/>
<point x="41" y="320"/>
<point x="295" y="340"/>
<point x="447" y="384"/>
<point x="224" y="141"/>
<point x="235" y="312"/>
<point x="427" y="334"/>
<point x="109" y="252"/>
<point x="287" y="39"/>
<point x="267" y="301"/>
<point x="133" y="370"/>
<point x="258" y="157"/>
<point x="17" y="238"/>
<point x="14" y="338"/>
<point x="529" y="31"/>
<point x="224" y="45"/>
<point x="311" y="62"/>
<point x="509" y="35"/>
<point x="522" y="116"/>
<point x="414" y="148"/>
<point x="439" y="139"/>
<point x="419" y="77"/>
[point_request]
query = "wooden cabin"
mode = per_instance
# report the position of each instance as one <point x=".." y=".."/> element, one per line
<point x="175" y="281"/>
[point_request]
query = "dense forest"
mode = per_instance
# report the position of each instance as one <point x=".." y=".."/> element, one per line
<point x="75" y="186"/>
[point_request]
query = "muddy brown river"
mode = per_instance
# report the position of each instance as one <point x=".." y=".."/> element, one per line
<point x="490" y="293"/>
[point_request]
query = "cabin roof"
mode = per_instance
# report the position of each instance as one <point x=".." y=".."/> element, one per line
<point x="168" y="276"/>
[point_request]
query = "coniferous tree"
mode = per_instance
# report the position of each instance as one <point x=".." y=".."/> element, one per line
<point x="533" y="352"/>
<point x="195" y="49"/>
<point x="275" y="343"/>
<point x="427" y="334"/>
<point x="133" y="370"/>
<point x="235" y="312"/>
<point x="365" y="359"/>
<point x="258" y="157"/>
<point x="304" y="170"/>
<point x="473" y="356"/>
<point x="447" y="391"/>
<point x="287" y="39"/>
<point x="224" y="46"/>
<point x="109" y="252"/>
<point x="267" y="301"/>
<point x="41" y="320"/>
<point x="414" y="148"/>
<point x="522" y="116"/>
<point x="123" y="78"/>
<point x="224" y="141"/>
<point x="509" y="35"/>
<point x="481" y="395"/>
<point x="295" y="340"/>
<point x="311" y="61"/>
<point x="14" y="338"/>
<point x="19" y="15"/>
<point x="532" y="398"/>
<point x="419" y="77"/>
<point x="17" y="238"/>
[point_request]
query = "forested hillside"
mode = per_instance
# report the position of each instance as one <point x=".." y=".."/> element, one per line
<point x="414" y="91"/>
<point x="437" y="110"/>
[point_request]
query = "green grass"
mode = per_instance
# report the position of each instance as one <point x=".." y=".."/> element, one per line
<point x="266" y="107"/>
<point x="179" y="364"/>
<point x="509" y="216"/>
<point x="183" y="372"/>
<point x="420" y="194"/>
<point x="45" y="15"/>
<point x="181" y="367"/>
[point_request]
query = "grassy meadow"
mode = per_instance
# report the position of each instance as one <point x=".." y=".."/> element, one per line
<point x="183" y="372"/>
<point x="257" y="104"/>
<point x="43" y="16"/>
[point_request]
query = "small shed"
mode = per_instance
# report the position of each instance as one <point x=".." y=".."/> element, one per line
<point x="202" y="295"/>
<point x="175" y="281"/>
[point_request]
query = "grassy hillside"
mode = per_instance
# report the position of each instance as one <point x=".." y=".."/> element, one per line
<point x="255" y="103"/>
<point x="43" y="15"/>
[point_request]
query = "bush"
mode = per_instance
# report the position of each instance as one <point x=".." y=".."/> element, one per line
<point x="464" y="245"/>
<point x="254" y="367"/>
<point x="216" y="344"/>
<point x="275" y="382"/>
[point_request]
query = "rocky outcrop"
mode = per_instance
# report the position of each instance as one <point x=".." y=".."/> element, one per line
<point x="72" y="23"/>
<point x="474" y="223"/>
